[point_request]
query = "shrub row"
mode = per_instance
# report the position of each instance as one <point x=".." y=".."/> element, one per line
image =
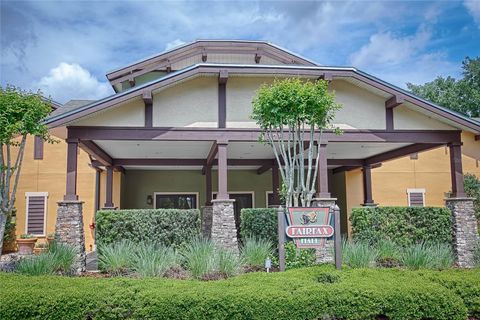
<point x="260" y="223"/>
<point x="402" y="225"/>
<point x="311" y="293"/>
<point x="169" y="227"/>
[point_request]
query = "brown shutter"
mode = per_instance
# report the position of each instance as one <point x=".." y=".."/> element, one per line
<point x="416" y="198"/>
<point x="36" y="211"/>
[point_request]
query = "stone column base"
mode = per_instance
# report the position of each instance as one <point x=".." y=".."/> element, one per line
<point x="465" y="230"/>
<point x="69" y="230"/>
<point x="207" y="215"/>
<point x="325" y="254"/>
<point x="224" y="231"/>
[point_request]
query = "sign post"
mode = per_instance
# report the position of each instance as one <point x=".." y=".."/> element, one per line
<point x="337" y="238"/>
<point x="281" y="238"/>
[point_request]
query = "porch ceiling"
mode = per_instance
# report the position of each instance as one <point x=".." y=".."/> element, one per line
<point x="236" y="150"/>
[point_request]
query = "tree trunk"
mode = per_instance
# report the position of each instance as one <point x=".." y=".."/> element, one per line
<point x="3" y="222"/>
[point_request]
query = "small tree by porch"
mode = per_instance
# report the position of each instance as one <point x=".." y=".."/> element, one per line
<point x="292" y="115"/>
<point x="21" y="114"/>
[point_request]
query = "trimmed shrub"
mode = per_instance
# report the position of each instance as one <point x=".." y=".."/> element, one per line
<point x="169" y="227"/>
<point x="402" y="225"/>
<point x="308" y="293"/>
<point x="259" y="223"/>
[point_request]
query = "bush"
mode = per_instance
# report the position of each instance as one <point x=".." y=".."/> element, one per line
<point x="307" y="293"/>
<point x="358" y="254"/>
<point x="153" y="260"/>
<point x="472" y="189"/>
<point x="116" y="258"/>
<point x="402" y="225"/>
<point x="259" y="223"/>
<point x="169" y="227"/>
<point x="295" y="257"/>
<point x="58" y="259"/>
<point x="256" y="251"/>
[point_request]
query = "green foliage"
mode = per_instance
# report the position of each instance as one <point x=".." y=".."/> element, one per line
<point x="459" y="95"/>
<point x="199" y="257"/>
<point x="228" y="262"/>
<point x="259" y="223"/>
<point x="116" y="258"/>
<point x="168" y="227"/>
<point x="402" y="225"/>
<point x="442" y="255"/>
<point x="295" y="257"/>
<point x="153" y="260"/>
<point x="59" y="259"/>
<point x="358" y="254"/>
<point x="27" y="236"/>
<point x="22" y="113"/>
<point x="9" y="234"/>
<point x="203" y="260"/>
<point x="476" y="254"/>
<point x="472" y="189"/>
<point x="387" y="249"/>
<point x="416" y="256"/>
<point x="288" y="102"/>
<point x="256" y="251"/>
<point x="350" y="294"/>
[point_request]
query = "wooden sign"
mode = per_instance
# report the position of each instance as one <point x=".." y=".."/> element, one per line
<point x="309" y="227"/>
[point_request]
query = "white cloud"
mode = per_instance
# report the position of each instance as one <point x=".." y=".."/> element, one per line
<point x="173" y="44"/>
<point x="473" y="7"/>
<point x="71" y="81"/>
<point x="385" y="49"/>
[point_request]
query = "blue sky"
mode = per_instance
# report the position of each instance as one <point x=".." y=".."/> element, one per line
<point x="65" y="48"/>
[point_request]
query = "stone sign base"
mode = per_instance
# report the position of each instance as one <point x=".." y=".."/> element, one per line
<point x="224" y="230"/>
<point x="325" y="254"/>
<point x="465" y="232"/>
<point x="69" y="230"/>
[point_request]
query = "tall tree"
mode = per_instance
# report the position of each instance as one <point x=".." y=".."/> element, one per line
<point x="21" y="114"/>
<point x="290" y="113"/>
<point x="459" y="95"/>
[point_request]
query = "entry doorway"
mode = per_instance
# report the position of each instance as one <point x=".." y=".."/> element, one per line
<point x="242" y="200"/>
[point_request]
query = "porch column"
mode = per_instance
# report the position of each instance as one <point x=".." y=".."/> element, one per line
<point x="367" y="185"/>
<point x="69" y="222"/>
<point x="465" y="229"/>
<point x="224" y="230"/>
<point x="222" y="170"/>
<point x="456" y="170"/>
<point x="71" y="183"/>
<point x="275" y="185"/>
<point x="109" y="189"/>
<point x="207" y="213"/>
<point x="322" y="177"/>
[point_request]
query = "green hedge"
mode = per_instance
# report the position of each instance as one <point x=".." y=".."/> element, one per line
<point x="311" y="293"/>
<point x="170" y="227"/>
<point x="259" y="223"/>
<point x="402" y="225"/>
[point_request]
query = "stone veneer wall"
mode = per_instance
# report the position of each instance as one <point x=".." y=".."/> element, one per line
<point x="465" y="230"/>
<point x="325" y="254"/>
<point x="207" y="216"/>
<point x="69" y="230"/>
<point x="224" y="231"/>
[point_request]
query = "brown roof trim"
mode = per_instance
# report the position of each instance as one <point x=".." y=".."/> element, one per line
<point x="203" y="48"/>
<point x="335" y="72"/>
<point x="252" y="135"/>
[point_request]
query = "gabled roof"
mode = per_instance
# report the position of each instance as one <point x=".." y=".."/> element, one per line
<point x="203" y="48"/>
<point x="272" y="70"/>
<point x="70" y="105"/>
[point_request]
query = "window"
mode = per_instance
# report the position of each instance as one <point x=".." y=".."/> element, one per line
<point x="165" y="200"/>
<point x="416" y="197"/>
<point x="269" y="198"/>
<point x="36" y="212"/>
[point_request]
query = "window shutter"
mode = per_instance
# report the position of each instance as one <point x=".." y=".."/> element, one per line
<point x="416" y="197"/>
<point x="36" y="212"/>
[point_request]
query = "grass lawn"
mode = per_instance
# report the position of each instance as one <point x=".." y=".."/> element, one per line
<point x="312" y="293"/>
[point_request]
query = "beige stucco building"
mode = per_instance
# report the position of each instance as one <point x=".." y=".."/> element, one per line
<point x="178" y="133"/>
